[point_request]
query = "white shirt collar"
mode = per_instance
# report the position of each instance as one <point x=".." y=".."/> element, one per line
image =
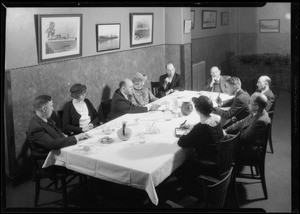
<point x="125" y="95"/>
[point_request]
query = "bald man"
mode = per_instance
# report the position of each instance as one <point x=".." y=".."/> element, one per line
<point x="263" y="86"/>
<point x="216" y="83"/>
<point x="122" y="101"/>
<point x="253" y="128"/>
<point x="169" y="82"/>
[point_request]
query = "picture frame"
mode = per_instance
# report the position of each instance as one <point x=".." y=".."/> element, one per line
<point x="192" y="18"/>
<point x="187" y="26"/>
<point x="141" y="29"/>
<point x="59" y="36"/>
<point x="108" y="36"/>
<point x="269" y="25"/>
<point x="209" y="19"/>
<point x="224" y="18"/>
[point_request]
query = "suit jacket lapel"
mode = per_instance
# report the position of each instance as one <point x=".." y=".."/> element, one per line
<point x="55" y="133"/>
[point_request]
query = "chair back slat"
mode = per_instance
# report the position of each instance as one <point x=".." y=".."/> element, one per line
<point x="154" y="88"/>
<point x="215" y="194"/>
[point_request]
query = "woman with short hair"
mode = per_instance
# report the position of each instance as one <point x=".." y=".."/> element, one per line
<point x="79" y="114"/>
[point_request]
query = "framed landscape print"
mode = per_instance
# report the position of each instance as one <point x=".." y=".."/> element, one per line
<point x="269" y="26"/>
<point x="108" y="37"/>
<point x="209" y="19"/>
<point x="59" y="36"/>
<point x="141" y="29"/>
<point x="224" y="18"/>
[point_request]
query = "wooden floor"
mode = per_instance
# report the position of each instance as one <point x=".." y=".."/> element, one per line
<point x="119" y="198"/>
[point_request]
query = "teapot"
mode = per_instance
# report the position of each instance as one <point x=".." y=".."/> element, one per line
<point x="124" y="133"/>
<point x="186" y="108"/>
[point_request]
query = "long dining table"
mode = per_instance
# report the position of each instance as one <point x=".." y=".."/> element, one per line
<point x="143" y="161"/>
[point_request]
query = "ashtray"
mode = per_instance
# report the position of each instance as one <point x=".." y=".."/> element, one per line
<point x="106" y="140"/>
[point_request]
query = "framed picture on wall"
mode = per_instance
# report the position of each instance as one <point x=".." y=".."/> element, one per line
<point x="59" y="36"/>
<point x="141" y="29"/>
<point x="187" y="26"/>
<point x="108" y="37"/>
<point x="209" y="19"/>
<point x="192" y="18"/>
<point x="224" y="18"/>
<point x="269" y="25"/>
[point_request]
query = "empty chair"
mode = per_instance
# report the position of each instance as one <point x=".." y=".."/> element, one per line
<point x="53" y="174"/>
<point x="154" y="88"/>
<point x="256" y="158"/>
<point x="214" y="192"/>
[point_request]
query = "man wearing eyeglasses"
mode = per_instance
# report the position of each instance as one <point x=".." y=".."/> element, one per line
<point x="253" y="128"/>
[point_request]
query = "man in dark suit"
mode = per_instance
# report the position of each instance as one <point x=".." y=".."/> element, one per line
<point x="253" y="127"/>
<point x="169" y="82"/>
<point x="238" y="104"/>
<point x="216" y="83"/>
<point x="122" y="101"/>
<point x="263" y="85"/>
<point x="42" y="132"/>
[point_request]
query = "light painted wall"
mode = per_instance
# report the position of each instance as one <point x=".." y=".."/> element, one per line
<point x="249" y="40"/>
<point x="21" y="40"/>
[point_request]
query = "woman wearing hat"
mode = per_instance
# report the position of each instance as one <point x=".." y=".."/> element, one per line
<point x="79" y="114"/>
<point x="204" y="138"/>
<point x="141" y="95"/>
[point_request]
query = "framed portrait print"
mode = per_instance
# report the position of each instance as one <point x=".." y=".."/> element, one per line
<point x="224" y="18"/>
<point x="192" y="18"/>
<point x="269" y="26"/>
<point x="187" y="26"/>
<point x="141" y="29"/>
<point x="108" y="37"/>
<point x="59" y="36"/>
<point x="209" y="19"/>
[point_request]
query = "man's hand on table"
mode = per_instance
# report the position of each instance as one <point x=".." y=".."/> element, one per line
<point x="82" y="136"/>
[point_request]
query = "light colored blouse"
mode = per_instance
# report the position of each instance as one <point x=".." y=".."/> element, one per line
<point x="143" y="96"/>
<point x="82" y="109"/>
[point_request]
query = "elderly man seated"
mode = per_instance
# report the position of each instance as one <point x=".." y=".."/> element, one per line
<point x="253" y="128"/>
<point x="122" y="101"/>
<point x="169" y="82"/>
<point x="216" y="83"/>
<point x="263" y="85"/>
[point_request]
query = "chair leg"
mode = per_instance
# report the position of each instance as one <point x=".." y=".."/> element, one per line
<point x="252" y="175"/>
<point x="263" y="179"/>
<point x="37" y="190"/>
<point x="64" y="191"/>
<point x="270" y="142"/>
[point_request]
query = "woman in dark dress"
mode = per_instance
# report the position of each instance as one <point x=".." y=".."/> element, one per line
<point x="204" y="138"/>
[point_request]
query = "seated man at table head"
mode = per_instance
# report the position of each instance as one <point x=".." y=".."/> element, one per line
<point x="42" y="132"/>
<point x="122" y="101"/>
<point x="238" y="104"/>
<point x="253" y="128"/>
<point x="216" y="83"/>
<point x="263" y="86"/>
<point x="79" y="114"/>
<point x="141" y="95"/>
<point x="169" y="82"/>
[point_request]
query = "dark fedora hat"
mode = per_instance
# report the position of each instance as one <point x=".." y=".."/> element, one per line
<point x="77" y="90"/>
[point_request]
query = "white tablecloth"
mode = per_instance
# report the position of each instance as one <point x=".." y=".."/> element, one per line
<point x="145" y="160"/>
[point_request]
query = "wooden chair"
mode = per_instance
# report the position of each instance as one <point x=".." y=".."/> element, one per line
<point x="104" y="109"/>
<point x="214" y="191"/>
<point x="52" y="174"/>
<point x="271" y="114"/>
<point x="256" y="159"/>
<point x="154" y="88"/>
